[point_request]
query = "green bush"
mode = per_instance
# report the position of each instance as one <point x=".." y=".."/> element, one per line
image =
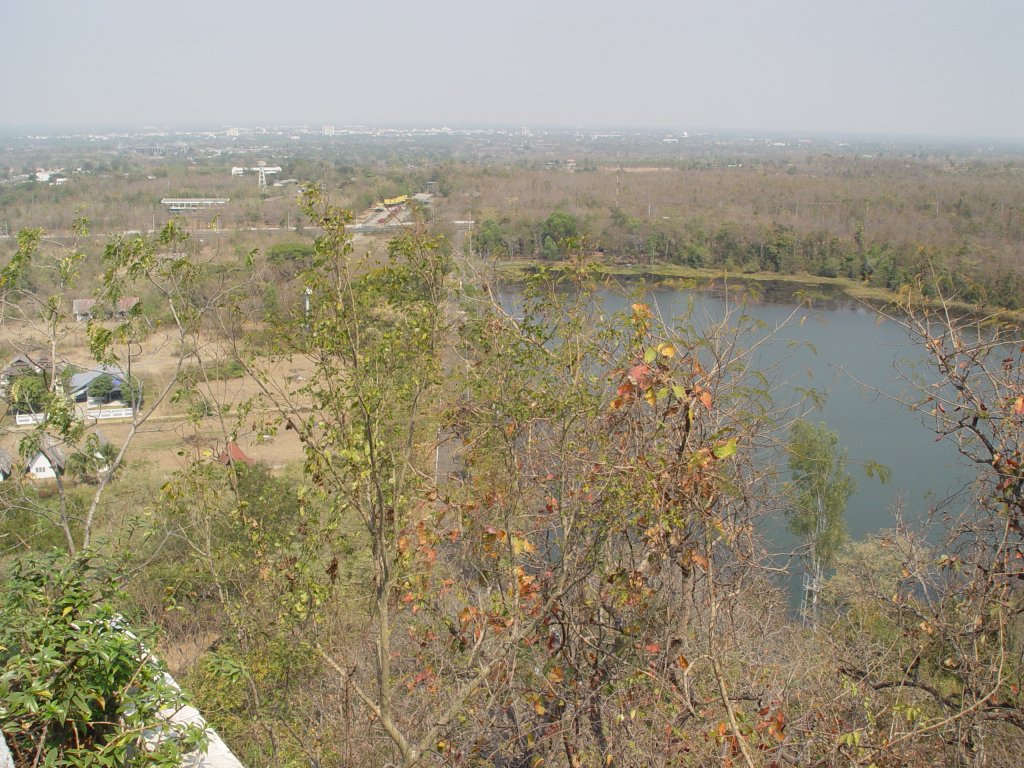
<point x="285" y="252"/>
<point x="29" y="393"/>
<point x="221" y="370"/>
<point x="77" y="688"/>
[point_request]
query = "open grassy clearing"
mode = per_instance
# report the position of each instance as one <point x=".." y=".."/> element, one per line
<point x="169" y="437"/>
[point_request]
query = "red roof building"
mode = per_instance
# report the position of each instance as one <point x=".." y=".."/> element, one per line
<point x="233" y="454"/>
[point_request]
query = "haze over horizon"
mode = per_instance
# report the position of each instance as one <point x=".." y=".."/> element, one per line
<point x="913" y="68"/>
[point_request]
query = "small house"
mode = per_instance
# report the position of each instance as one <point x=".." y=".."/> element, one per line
<point x="82" y="309"/>
<point x="35" y="362"/>
<point x="79" y="383"/>
<point x="125" y="305"/>
<point x="26" y="362"/>
<point x="6" y="464"/>
<point x="233" y="454"/>
<point x="48" y="462"/>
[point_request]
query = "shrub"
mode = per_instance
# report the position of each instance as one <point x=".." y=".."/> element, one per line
<point x="221" y="370"/>
<point x="77" y="688"/>
<point x="285" y="252"/>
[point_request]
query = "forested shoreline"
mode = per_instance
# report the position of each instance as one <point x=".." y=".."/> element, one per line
<point x="885" y="218"/>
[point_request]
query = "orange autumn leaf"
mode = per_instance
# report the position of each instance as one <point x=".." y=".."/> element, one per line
<point x="641" y="310"/>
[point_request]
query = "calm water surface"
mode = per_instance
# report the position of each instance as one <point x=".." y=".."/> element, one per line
<point x="845" y="350"/>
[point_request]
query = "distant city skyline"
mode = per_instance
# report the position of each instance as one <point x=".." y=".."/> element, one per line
<point x="874" y="68"/>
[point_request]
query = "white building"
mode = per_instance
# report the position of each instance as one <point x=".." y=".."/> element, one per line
<point x="194" y="203"/>
<point x="48" y="462"/>
<point x="6" y="464"/>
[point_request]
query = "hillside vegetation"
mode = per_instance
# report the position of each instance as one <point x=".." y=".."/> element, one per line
<point x="535" y="539"/>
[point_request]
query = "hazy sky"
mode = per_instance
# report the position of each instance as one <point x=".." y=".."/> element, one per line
<point x="914" y="67"/>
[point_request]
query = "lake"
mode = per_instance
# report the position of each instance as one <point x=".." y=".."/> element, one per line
<point x="844" y="349"/>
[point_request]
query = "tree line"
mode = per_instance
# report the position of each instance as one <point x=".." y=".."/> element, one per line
<point x="523" y="538"/>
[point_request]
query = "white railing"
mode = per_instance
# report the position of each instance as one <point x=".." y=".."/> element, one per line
<point x="110" y="413"/>
<point x="28" y="419"/>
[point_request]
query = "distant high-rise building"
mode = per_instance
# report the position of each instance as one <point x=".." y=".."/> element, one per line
<point x="328" y="130"/>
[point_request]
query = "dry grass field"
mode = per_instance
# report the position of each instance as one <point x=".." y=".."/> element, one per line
<point x="168" y="438"/>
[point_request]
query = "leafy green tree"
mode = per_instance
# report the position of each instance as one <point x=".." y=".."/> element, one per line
<point x="624" y="233"/>
<point x="78" y="689"/>
<point x="374" y="334"/>
<point x="819" y="488"/>
<point x="290" y="252"/>
<point x="102" y="387"/>
<point x="728" y="246"/>
<point x="489" y="239"/>
<point x="29" y="393"/>
<point x="550" y="250"/>
<point x="560" y="226"/>
<point x="777" y="250"/>
<point x="93" y="459"/>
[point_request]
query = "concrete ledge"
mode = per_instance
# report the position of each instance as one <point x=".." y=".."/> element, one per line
<point x="217" y="754"/>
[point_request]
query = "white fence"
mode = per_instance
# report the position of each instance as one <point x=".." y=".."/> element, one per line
<point x="110" y="413"/>
<point x="28" y="419"/>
